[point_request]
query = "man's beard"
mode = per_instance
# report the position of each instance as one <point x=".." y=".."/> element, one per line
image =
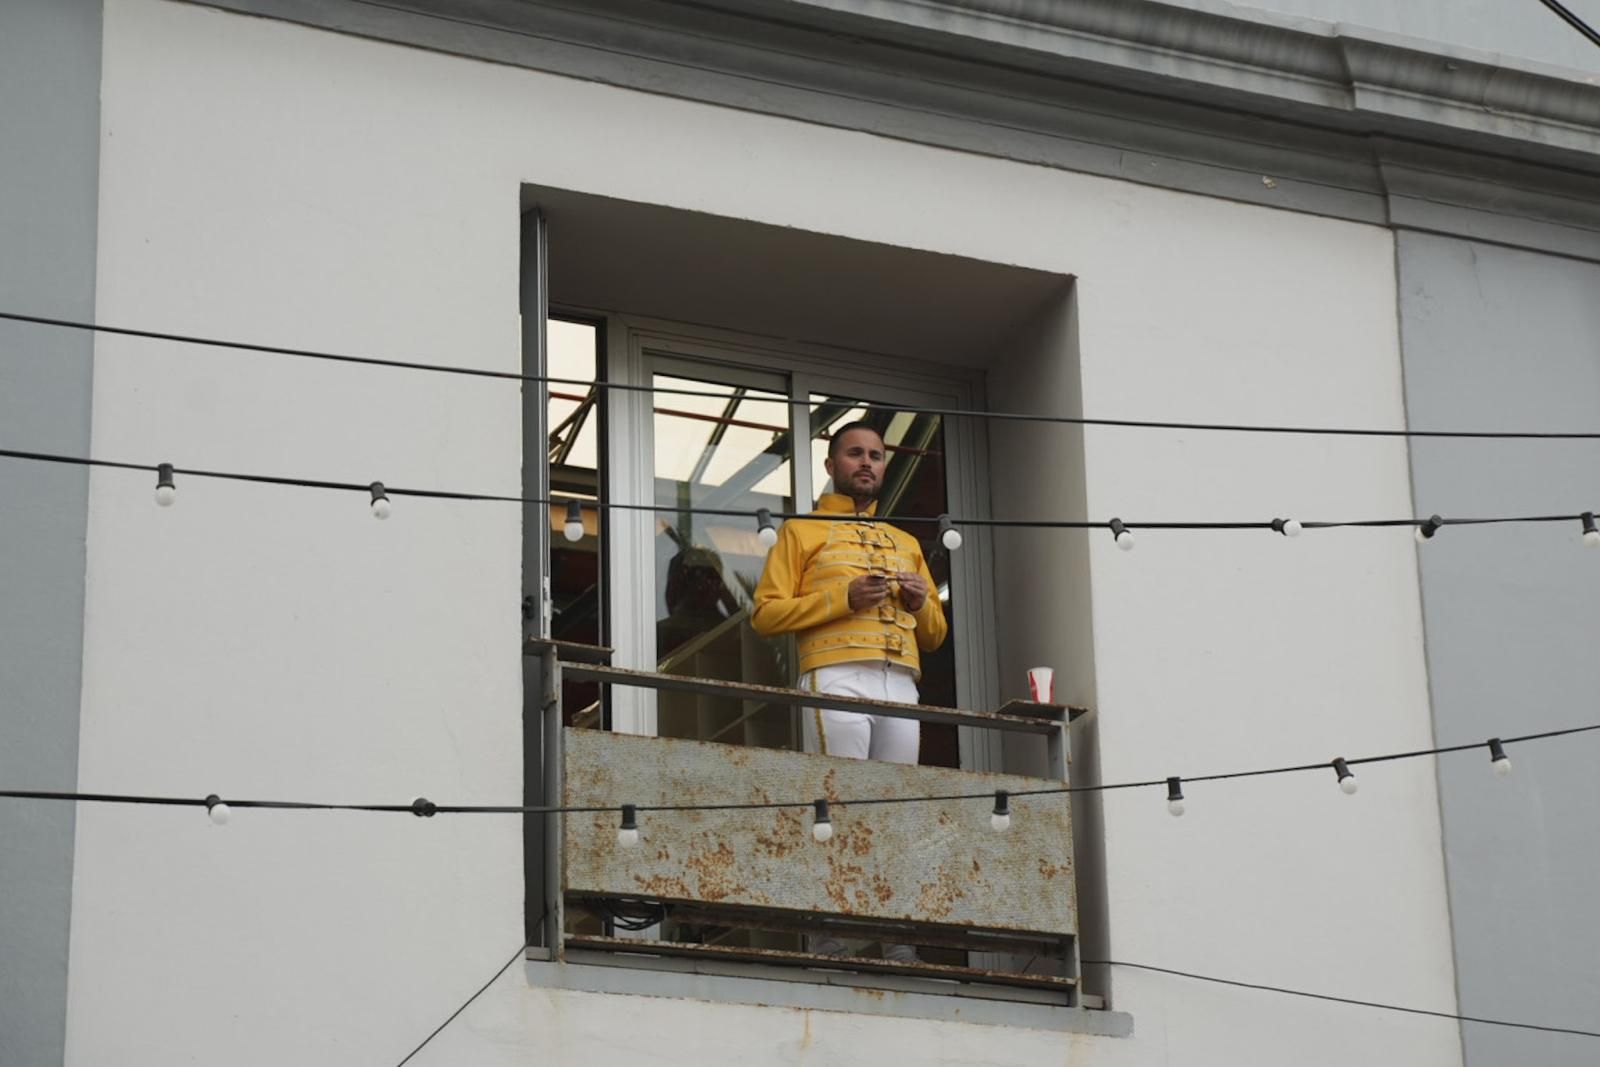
<point x="863" y="497"/>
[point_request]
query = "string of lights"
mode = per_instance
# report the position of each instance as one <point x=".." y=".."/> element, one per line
<point x="966" y="413"/>
<point x="221" y="810"/>
<point x="379" y="495"/>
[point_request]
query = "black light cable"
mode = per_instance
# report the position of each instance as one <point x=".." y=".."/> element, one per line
<point x="1570" y="17"/>
<point x="379" y="494"/>
<point x="1004" y="416"/>
<point x="1344" y="1000"/>
<point x="822" y="807"/>
<point x="521" y="951"/>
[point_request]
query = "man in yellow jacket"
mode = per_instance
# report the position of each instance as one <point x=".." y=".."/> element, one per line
<point x="862" y="602"/>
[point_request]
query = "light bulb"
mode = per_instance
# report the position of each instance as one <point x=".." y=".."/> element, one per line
<point x="573" y="528"/>
<point x="766" y="532"/>
<point x="1123" y="536"/>
<point x="1347" y="780"/>
<point x="949" y="536"/>
<point x="380" y="501"/>
<point x="1000" y="819"/>
<point x="166" y="492"/>
<point x="220" y="813"/>
<point x="1497" y="755"/>
<point x="1591" y="536"/>
<point x="1425" y="532"/>
<point x="1175" y="796"/>
<point x="628" y="832"/>
<point x="1421" y="538"/>
<point x="822" y="828"/>
<point x="1287" y="527"/>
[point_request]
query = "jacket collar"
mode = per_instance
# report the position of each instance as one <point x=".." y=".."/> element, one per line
<point x="840" y="504"/>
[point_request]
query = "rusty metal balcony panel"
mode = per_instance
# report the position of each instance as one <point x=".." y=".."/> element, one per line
<point x="936" y="863"/>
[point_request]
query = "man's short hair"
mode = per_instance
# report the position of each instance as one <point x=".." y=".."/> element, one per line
<point x="838" y="435"/>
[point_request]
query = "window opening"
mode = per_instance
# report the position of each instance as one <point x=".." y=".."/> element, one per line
<point x="576" y="455"/>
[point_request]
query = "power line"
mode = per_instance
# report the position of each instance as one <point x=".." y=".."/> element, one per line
<point x="521" y="951"/>
<point x="1002" y="416"/>
<point x="167" y="470"/>
<point x="1571" y="18"/>
<point x="1345" y="1000"/>
<point x="424" y="808"/>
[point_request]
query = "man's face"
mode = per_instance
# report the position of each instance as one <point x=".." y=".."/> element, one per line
<point x="855" y="464"/>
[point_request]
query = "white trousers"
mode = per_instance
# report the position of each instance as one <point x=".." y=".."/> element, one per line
<point x="854" y="734"/>
<point x="857" y="735"/>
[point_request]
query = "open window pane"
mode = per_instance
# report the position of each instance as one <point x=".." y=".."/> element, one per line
<point x="731" y="451"/>
<point x="576" y="586"/>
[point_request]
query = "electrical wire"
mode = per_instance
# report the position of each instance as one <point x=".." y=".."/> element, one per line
<point x="521" y="951"/>
<point x="426" y="808"/>
<point x="1570" y="17"/>
<point x="1345" y="1000"/>
<point x="967" y="413"/>
<point x="752" y="515"/>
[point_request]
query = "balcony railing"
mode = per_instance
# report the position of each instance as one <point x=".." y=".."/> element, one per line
<point x="752" y="885"/>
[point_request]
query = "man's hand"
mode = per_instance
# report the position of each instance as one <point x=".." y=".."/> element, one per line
<point x="867" y="590"/>
<point x="913" y="590"/>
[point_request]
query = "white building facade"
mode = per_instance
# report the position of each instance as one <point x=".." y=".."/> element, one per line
<point x="1186" y="212"/>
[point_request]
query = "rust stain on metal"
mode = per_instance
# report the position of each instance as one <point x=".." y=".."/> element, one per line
<point x="716" y="872"/>
<point x="882" y="889"/>
<point x="662" y="885"/>
<point x="937" y="863"/>
<point x="938" y="898"/>
<point x="784" y="837"/>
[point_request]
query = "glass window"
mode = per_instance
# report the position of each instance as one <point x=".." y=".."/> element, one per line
<point x="576" y="467"/>
<point x="732" y="451"/>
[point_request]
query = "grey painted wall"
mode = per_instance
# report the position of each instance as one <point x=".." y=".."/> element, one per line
<point x="1501" y="339"/>
<point x="49" y="181"/>
<point x="1525" y="29"/>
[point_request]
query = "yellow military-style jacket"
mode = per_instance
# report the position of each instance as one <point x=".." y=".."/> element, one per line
<point x="804" y="590"/>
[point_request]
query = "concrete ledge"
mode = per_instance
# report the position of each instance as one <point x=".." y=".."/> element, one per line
<point x="816" y="990"/>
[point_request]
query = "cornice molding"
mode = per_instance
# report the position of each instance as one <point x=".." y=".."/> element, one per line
<point x="1432" y="90"/>
<point x="1293" y="114"/>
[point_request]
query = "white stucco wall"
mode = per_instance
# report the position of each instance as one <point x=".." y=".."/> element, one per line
<point x="267" y="182"/>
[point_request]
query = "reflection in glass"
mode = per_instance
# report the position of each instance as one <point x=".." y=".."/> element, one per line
<point x="729" y="451"/>
<point x="572" y="352"/>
